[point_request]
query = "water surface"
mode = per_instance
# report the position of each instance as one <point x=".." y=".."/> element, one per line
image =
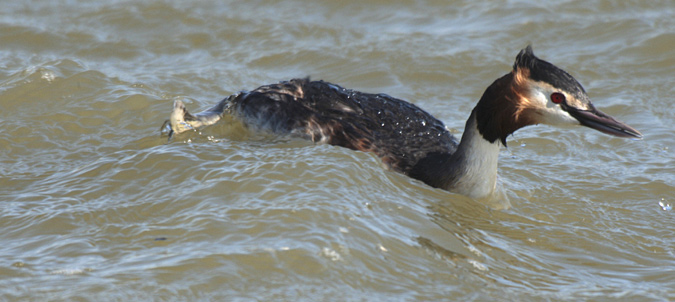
<point x="95" y="205"/>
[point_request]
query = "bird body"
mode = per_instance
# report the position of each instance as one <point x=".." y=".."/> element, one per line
<point x="408" y="139"/>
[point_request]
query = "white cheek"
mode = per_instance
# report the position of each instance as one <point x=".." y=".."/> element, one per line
<point x="551" y="113"/>
<point x="556" y="116"/>
<point x="540" y="96"/>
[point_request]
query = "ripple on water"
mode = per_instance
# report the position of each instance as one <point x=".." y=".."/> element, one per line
<point x="88" y="186"/>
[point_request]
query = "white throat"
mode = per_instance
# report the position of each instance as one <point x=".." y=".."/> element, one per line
<point x="476" y="159"/>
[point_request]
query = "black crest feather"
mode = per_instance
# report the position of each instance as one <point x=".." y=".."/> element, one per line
<point x="544" y="71"/>
<point x="526" y="59"/>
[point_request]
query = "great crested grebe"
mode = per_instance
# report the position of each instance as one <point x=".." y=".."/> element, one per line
<point x="408" y="139"/>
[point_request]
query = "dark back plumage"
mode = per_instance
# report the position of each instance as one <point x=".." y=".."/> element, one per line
<point x="399" y="132"/>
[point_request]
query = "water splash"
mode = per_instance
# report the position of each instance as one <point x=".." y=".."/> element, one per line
<point x="47" y="75"/>
<point x="664" y="205"/>
<point x="331" y="254"/>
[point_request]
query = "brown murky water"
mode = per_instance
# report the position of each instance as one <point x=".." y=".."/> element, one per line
<point x="96" y="206"/>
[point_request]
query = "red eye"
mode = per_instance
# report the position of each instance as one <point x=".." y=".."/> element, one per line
<point x="557" y="97"/>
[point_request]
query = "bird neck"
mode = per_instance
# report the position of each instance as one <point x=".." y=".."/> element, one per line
<point x="472" y="169"/>
<point x="474" y="164"/>
<point x="504" y="108"/>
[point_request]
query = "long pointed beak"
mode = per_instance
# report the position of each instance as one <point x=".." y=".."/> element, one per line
<point x="602" y="122"/>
